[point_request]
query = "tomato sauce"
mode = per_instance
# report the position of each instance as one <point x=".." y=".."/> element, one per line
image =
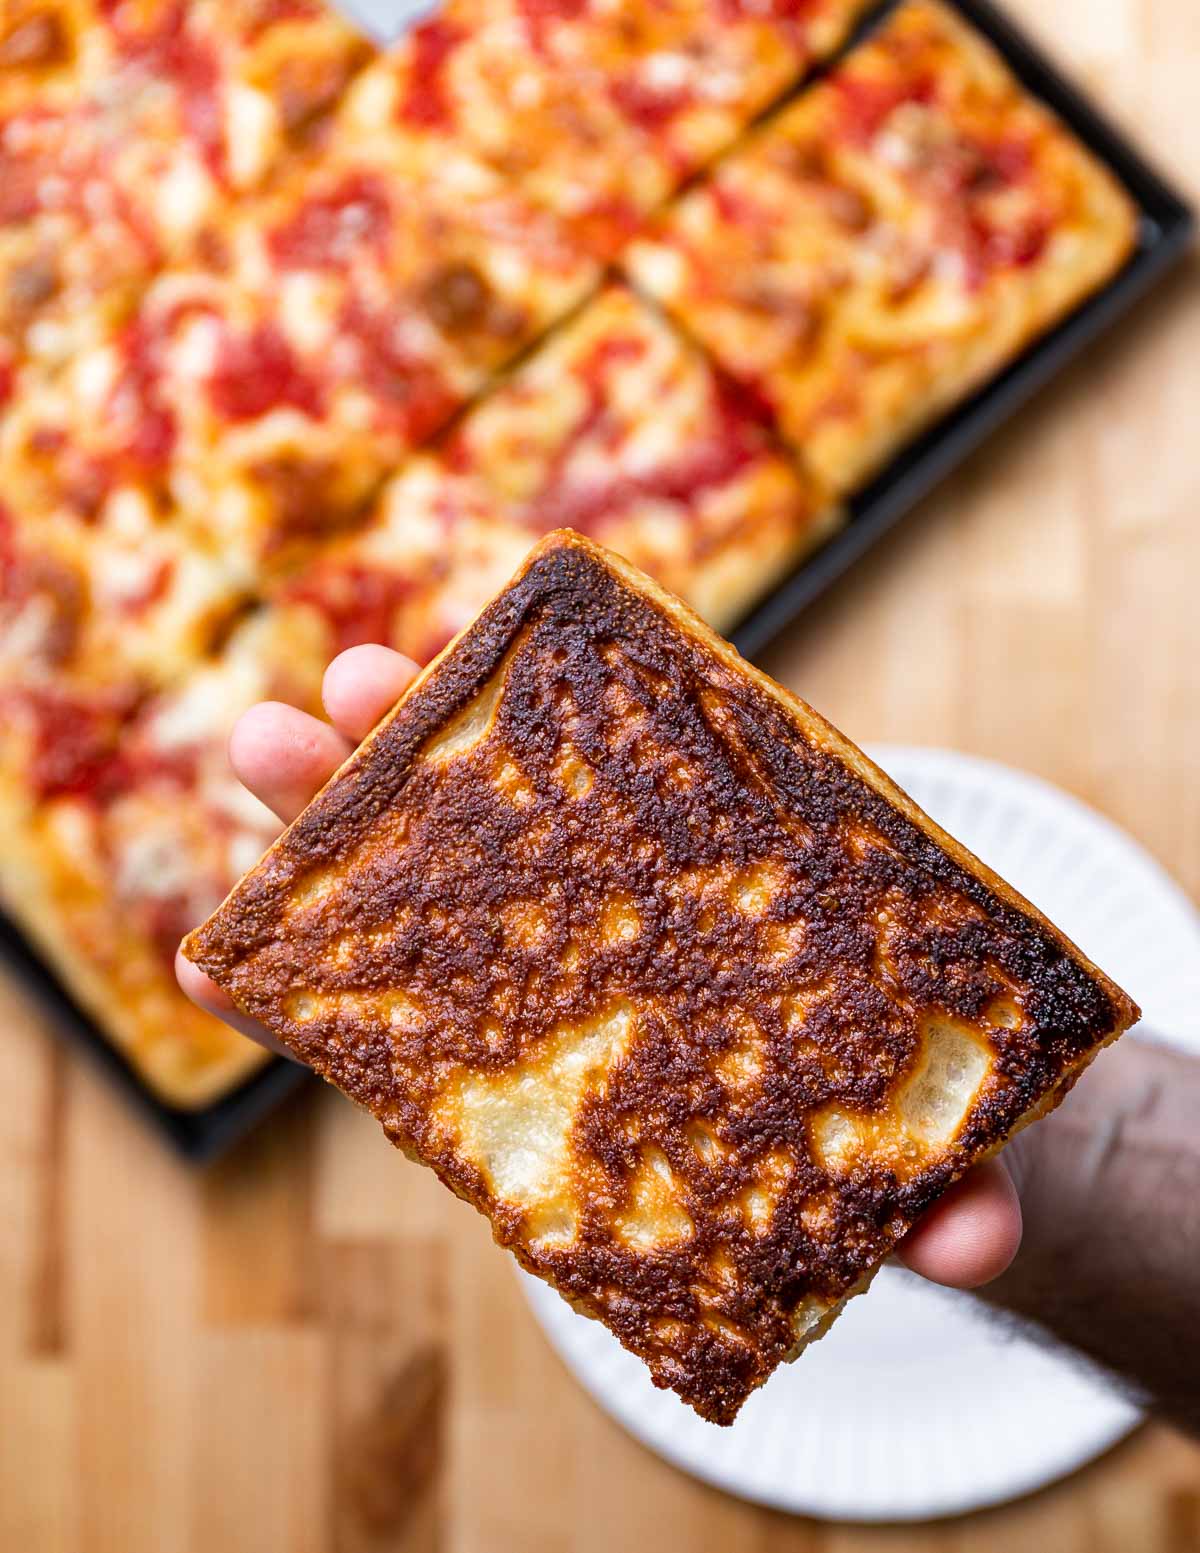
<point x="171" y="50"/>
<point x="540" y="17"/>
<point x="650" y="108"/>
<point x="736" y="207"/>
<point x="410" y="392"/>
<point x="732" y="11"/>
<point x="75" y="752"/>
<point x="325" y="232"/>
<point x="425" y="100"/>
<point x="730" y="443"/>
<point x="867" y="102"/>
<point x="257" y="372"/>
<point x="152" y="433"/>
<point x="359" y="603"/>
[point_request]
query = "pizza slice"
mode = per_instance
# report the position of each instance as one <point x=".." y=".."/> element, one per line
<point x="123" y="824"/>
<point x="593" y="111"/>
<point x="224" y="89"/>
<point x="228" y="417"/>
<point x="656" y="969"/>
<point x="889" y="242"/>
<point x="620" y="429"/>
<point x="687" y="76"/>
<point x="469" y="88"/>
<point x="138" y="129"/>
<point x="388" y="258"/>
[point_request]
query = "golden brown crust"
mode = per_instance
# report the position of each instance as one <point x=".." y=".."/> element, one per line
<point x="123" y="824"/>
<point x="654" y="968"/>
<point x="889" y="241"/>
<point x="185" y="1057"/>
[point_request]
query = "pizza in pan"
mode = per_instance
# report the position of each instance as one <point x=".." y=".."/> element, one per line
<point x="888" y="242"/>
<point x="245" y="271"/>
<point x="594" y="109"/>
<point x="129" y="131"/>
<point x="124" y="824"/>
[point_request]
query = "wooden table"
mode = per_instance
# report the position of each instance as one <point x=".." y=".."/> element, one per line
<point x="315" y="1348"/>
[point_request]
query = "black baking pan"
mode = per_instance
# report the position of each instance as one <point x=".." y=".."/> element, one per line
<point x="1165" y="233"/>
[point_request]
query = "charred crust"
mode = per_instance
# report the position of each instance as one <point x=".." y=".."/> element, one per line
<point x="697" y="772"/>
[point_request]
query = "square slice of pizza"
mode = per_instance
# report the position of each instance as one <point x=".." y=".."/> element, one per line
<point x="140" y="127"/>
<point x="224" y="89"/>
<point x="471" y="84"/>
<point x="386" y="257"/>
<point x="619" y="428"/>
<point x="241" y="420"/>
<point x="682" y="77"/>
<point x="595" y="111"/>
<point x="124" y="823"/>
<point x="888" y="242"/>
<point x="656" y="969"/>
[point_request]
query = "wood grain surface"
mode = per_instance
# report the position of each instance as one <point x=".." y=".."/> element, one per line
<point x="313" y="1347"/>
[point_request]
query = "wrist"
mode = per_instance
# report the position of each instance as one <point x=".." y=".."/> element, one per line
<point x="1109" y="1196"/>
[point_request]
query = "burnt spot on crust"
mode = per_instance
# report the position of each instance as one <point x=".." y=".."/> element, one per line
<point x="461" y="301"/>
<point x="601" y="930"/>
<point x="34" y="40"/>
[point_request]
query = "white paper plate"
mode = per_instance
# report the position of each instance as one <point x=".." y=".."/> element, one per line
<point x="916" y="1405"/>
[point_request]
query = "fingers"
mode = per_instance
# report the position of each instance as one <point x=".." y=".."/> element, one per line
<point x="283" y="755"/>
<point x="971" y="1234"/>
<point x="361" y="685"/>
<point x="208" y="996"/>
